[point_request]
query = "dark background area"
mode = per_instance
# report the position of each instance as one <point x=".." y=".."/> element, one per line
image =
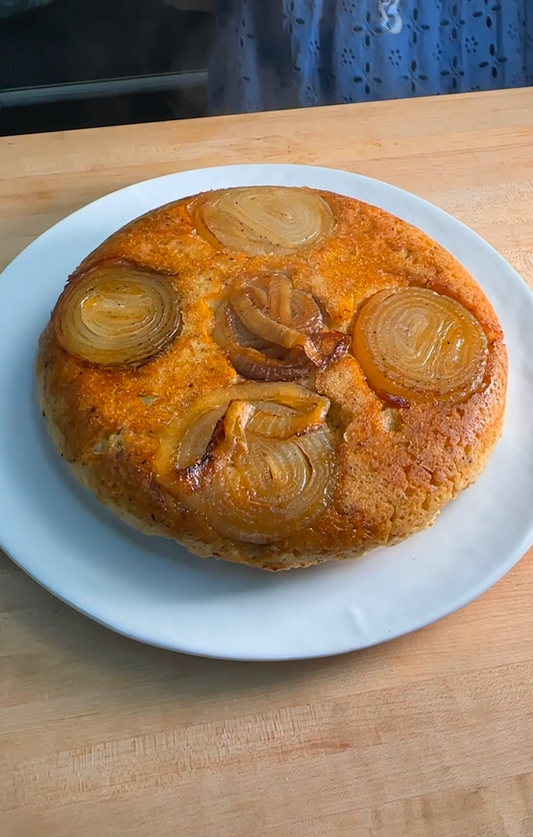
<point x="79" y="41"/>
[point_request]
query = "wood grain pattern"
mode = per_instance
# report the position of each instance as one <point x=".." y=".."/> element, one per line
<point x="428" y="736"/>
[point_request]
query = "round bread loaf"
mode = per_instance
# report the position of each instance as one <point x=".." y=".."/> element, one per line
<point x="273" y="376"/>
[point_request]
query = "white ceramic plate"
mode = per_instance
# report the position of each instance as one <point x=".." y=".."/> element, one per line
<point x="154" y="591"/>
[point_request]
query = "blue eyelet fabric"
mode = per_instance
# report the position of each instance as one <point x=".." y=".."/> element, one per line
<point x="271" y="54"/>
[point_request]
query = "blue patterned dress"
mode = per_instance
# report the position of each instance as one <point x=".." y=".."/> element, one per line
<point x="271" y="54"/>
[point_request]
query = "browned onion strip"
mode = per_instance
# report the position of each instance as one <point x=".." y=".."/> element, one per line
<point x="414" y="343"/>
<point x="281" y="299"/>
<point x="263" y="325"/>
<point x="117" y="314"/>
<point x="273" y="331"/>
<point x="256" y="459"/>
<point x="251" y="358"/>
<point x="263" y="219"/>
<point x="235" y="421"/>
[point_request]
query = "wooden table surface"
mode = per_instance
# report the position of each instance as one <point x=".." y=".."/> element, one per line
<point x="428" y="736"/>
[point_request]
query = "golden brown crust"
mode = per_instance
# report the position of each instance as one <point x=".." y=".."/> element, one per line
<point x="396" y="467"/>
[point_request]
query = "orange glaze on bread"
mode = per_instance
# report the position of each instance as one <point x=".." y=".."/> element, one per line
<point x="395" y="466"/>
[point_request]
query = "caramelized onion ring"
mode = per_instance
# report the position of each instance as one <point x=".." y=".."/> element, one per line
<point x="272" y="331"/>
<point x="416" y="343"/>
<point x="117" y="314"/>
<point x="259" y="220"/>
<point x="270" y="490"/>
<point x="256" y="459"/>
